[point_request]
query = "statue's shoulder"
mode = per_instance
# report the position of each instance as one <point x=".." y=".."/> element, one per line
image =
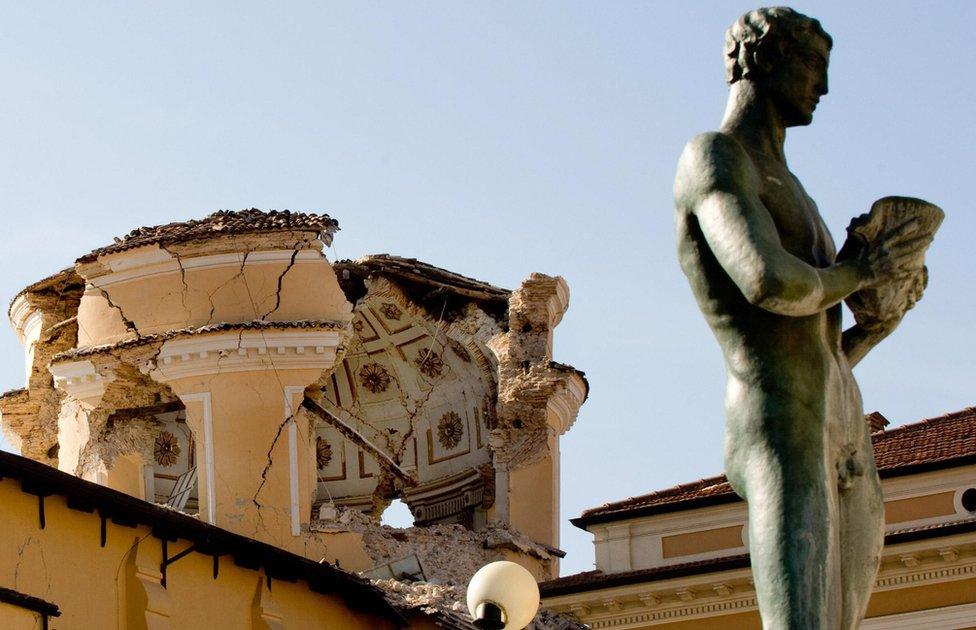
<point x="711" y="162"/>
<point x="714" y="148"/>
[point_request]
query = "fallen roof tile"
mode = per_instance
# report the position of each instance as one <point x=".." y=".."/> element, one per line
<point x="222" y="222"/>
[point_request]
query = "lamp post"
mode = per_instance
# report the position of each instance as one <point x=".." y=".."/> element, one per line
<point x="502" y="596"/>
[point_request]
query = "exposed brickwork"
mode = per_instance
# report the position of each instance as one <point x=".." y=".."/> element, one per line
<point x="30" y="418"/>
<point x="527" y="376"/>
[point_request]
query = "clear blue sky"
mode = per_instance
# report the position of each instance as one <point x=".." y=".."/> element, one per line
<point x="494" y="139"/>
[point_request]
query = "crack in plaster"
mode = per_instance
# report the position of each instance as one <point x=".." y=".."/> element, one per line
<point x="239" y="274"/>
<point x="30" y="541"/>
<point x="186" y="287"/>
<point x="129" y="324"/>
<point x="270" y="460"/>
<point x="281" y="279"/>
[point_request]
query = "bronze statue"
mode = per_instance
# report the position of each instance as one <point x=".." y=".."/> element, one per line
<point x="767" y="277"/>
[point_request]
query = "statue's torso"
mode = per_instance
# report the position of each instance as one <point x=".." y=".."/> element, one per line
<point x="777" y="364"/>
<point x="800" y="226"/>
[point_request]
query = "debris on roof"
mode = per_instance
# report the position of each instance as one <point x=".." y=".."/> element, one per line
<point x="220" y="223"/>
<point x="443" y="293"/>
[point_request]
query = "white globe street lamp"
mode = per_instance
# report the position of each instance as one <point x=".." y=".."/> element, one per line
<point x="502" y="596"/>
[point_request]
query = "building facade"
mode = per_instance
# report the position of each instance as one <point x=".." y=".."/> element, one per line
<point x="225" y="368"/>
<point x="678" y="558"/>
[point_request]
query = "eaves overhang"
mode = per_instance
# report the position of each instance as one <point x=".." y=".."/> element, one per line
<point x="168" y="525"/>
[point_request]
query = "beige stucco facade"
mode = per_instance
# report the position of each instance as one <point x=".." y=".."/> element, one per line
<point x="226" y="366"/>
<point x="688" y="567"/>
<point x="119" y="585"/>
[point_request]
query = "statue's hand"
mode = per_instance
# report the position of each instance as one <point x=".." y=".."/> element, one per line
<point x="899" y="254"/>
<point x="874" y="326"/>
<point x="911" y="293"/>
<point x="887" y="248"/>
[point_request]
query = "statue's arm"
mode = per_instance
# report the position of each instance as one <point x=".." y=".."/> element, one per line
<point x="718" y="183"/>
<point x="857" y="341"/>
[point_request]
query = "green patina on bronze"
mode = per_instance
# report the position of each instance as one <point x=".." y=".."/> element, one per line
<point x="767" y="276"/>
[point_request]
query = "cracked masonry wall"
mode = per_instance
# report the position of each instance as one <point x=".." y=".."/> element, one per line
<point x="459" y="415"/>
<point x="119" y="585"/>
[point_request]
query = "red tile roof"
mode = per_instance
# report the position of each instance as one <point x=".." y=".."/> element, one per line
<point x="220" y="223"/>
<point x="944" y="439"/>
<point x="942" y="442"/>
<point x="594" y="580"/>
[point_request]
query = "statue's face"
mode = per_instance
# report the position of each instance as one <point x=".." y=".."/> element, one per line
<point x="798" y="80"/>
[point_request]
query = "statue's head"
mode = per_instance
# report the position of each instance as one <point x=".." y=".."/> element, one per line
<point x="785" y="54"/>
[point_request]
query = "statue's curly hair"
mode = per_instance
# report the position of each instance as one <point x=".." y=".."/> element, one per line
<point x="780" y="26"/>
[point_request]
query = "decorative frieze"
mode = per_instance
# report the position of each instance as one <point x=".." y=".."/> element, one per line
<point x="80" y="380"/>
<point x="737" y="593"/>
<point x="236" y="351"/>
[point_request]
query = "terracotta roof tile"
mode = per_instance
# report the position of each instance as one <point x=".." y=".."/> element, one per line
<point x="944" y="438"/>
<point x="251" y="221"/>
<point x="411" y="268"/>
<point x="592" y="580"/>
<point x="932" y="443"/>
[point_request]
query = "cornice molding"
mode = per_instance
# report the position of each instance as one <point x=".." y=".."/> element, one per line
<point x="926" y="575"/>
<point x="684" y="613"/>
<point x="80" y="380"/>
<point x="913" y="486"/>
<point x="641" y="604"/>
<point x="565" y="403"/>
<point x="138" y="264"/>
<point x="20" y="312"/>
<point x="248" y="351"/>
<point x="947" y="618"/>
<point x="559" y="302"/>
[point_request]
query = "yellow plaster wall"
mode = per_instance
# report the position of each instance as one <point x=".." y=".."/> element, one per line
<point x="62" y="562"/>
<point x="701" y="542"/>
<point x="927" y="506"/>
<point x="922" y="598"/>
<point x="533" y="497"/>
<point x="100" y="587"/>
<point x="228" y="292"/>
<point x="17" y="618"/>
<point x="247" y="411"/>
<point x="739" y="621"/>
<point x="126" y="475"/>
<point x="248" y="414"/>
<point x="98" y="322"/>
